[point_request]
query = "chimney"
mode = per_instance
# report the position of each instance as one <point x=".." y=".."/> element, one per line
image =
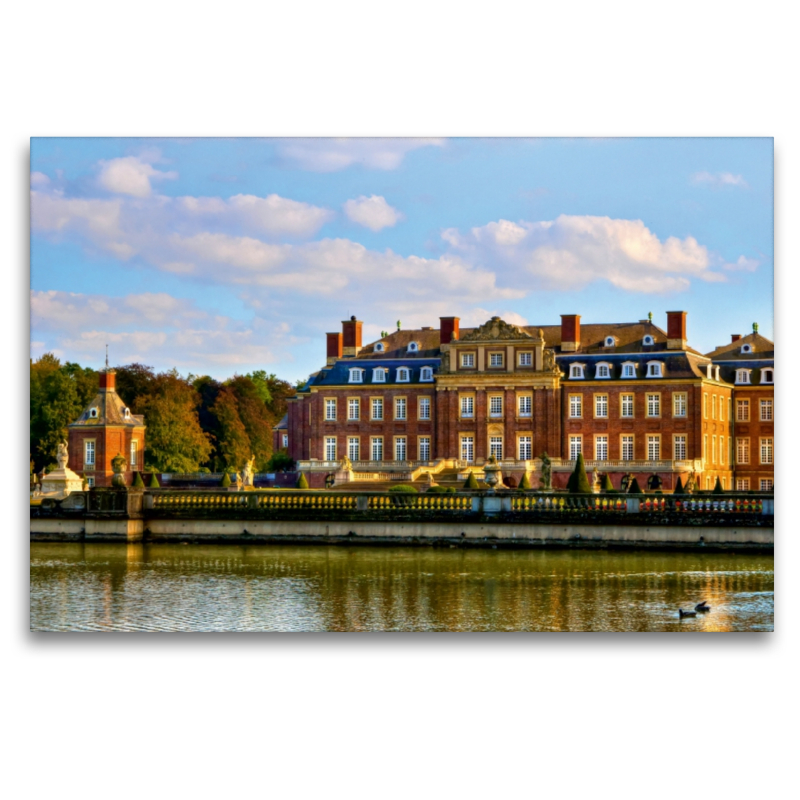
<point x="351" y="331"/>
<point x="334" y="347"/>
<point x="108" y="380"/>
<point x="448" y="329"/>
<point x="676" y="330"/>
<point x="570" y="332"/>
<point x="735" y="337"/>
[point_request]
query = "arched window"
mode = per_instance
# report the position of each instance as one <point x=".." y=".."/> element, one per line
<point x="379" y="348"/>
<point x="402" y="375"/>
<point x="413" y="347"/>
<point x="629" y="369"/>
<point x="655" y="369"/>
<point x="576" y="371"/>
<point x="603" y="370"/>
<point x="648" y="340"/>
<point x="356" y="375"/>
<point x="746" y="348"/>
<point x="427" y="374"/>
<point x="127" y="413"/>
<point x="767" y="376"/>
<point x="93" y="413"/>
<point x="379" y="375"/>
<point x="742" y="376"/>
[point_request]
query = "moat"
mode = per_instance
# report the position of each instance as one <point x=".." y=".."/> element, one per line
<point x="172" y="587"/>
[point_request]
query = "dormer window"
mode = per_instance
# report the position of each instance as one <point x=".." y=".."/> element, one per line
<point x="610" y="341"/>
<point x="655" y="369"/>
<point x="747" y="348"/>
<point x="356" y="375"/>
<point x="743" y="376"/>
<point x="379" y="375"/>
<point x="127" y="413"/>
<point x="413" y="347"/>
<point x="648" y="340"/>
<point x="716" y="373"/>
<point x="403" y="375"/>
<point x="603" y="371"/>
<point x="379" y="347"/>
<point x="93" y="413"/>
<point x="767" y="376"/>
<point x="576" y="371"/>
<point x="629" y="370"/>
<point x="427" y="374"/>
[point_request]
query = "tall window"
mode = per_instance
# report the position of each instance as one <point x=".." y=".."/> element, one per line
<point x="524" y="448"/>
<point x="576" y="405"/>
<point x="679" y="404"/>
<point x="400" y="448"/>
<point x="653" y="448"/>
<point x="742" y="376"/>
<point x="767" y="376"/>
<point x="525" y="359"/>
<point x="713" y="406"/>
<point x="495" y="406"/>
<point x="88" y="454"/>
<point x="377" y="448"/>
<point x="90" y="480"/>
<point x="379" y="375"/>
<point x="525" y="405"/>
<point x="576" y="371"/>
<point x="654" y="369"/>
<point x="467" y="448"/>
<point x="628" y="370"/>
<point x="353" y="408"/>
<point x="766" y="410"/>
<point x="403" y="375"/>
<point x="377" y="408"/>
<point x="743" y="451"/>
<point x="654" y="405"/>
<point x="766" y="485"/>
<point x="603" y="371"/>
<point x="680" y="448"/>
<point x="705" y="446"/>
<point x="601" y="405"/>
<point x="399" y="408"/>
<point x="285" y="440"/>
<point x="575" y="447"/>
<point x="496" y="447"/>
<point x="356" y="375"/>
<point x="330" y="448"/>
<point x="424" y="448"/>
<point x="766" y="451"/>
<point x="330" y="409"/>
<point x="467" y="359"/>
<point x="601" y="448"/>
<point x="721" y="449"/>
<point x="626" y="405"/>
<point x="426" y="374"/>
<point x="134" y="454"/>
<point x="353" y="448"/>
<point x="627" y="448"/>
<point x="495" y="359"/>
<point x="705" y="406"/>
<point x="424" y="408"/>
<point x="713" y="449"/>
<point x="743" y="484"/>
<point x="721" y="408"/>
<point x="467" y="406"/>
<point x="743" y="411"/>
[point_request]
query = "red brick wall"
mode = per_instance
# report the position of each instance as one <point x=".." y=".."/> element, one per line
<point x="754" y="430"/>
<point x="108" y="442"/>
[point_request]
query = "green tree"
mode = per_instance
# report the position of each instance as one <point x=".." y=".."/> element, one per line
<point x="280" y="462"/>
<point x="134" y="381"/>
<point x="302" y="483"/>
<point x="58" y="405"/>
<point x="255" y="417"/>
<point x="471" y="482"/>
<point x="226" y="480"/>
<point x="606" y="486"/>
<point x="233" y="443"/>
<point x="634" y="488"/>
<point x="580" y="484"/>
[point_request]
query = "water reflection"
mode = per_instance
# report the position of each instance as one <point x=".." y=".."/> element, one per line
<point x="95" y="587"/>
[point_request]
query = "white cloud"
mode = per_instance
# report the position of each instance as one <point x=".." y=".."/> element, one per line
<point x="719" y="179"/>
<point x="372" y="212"/>
<point x="332" y="155"/>
<point x="130" y="175"/>
<point x="39" y="179"/>
<point x="743" y="264"/>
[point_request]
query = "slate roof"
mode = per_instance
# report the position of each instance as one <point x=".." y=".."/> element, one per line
<point x="283" y="424"/>
<point x="678" y="365"/>
<point x="339" y="373"/>
<point x="763" y="349"/>
<point x="110" y="411"/>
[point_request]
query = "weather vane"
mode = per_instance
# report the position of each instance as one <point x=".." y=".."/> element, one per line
<point x="106" y="356"/>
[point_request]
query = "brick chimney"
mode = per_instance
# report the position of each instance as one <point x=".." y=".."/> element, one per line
<point x="735" y="337"/>
<point x="570" y="332"/>
<point x="351" y="332"/>
<point x="334" y="347"/>
<point x="448" y="329"/>
<point x="108" y="380"/>
<point x="676" y="330"/>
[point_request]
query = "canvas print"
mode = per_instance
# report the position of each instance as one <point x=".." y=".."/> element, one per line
<point x="431" y="384"/>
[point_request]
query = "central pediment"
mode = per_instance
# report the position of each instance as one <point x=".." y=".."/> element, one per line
<point x="496" y="329"/>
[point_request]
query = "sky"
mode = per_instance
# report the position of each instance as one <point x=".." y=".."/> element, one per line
<point x="223" y="256"/>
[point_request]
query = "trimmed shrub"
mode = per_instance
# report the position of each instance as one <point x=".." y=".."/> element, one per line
<point x="154" y="484"/>
<point x="525" y="483"/>
<point x="403" y="488"/>
<point x="679" y="487"/>
<point x="718" y="487"/>
<point x="634" y="488"/>
<point x="510" y="482"/>
<point x="302" y="482"/>
<point x="471" y="483"/>
<point x="606" y="486"/>
<point x="226" y="480"/>
<point x="581" y="483"/>
<point x="440" y="490"/>
<point x="138" y="483"/>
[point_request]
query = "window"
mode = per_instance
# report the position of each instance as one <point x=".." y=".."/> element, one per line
<point x="330" y="448"/>
<point x="713" y="449"/>
<point x="743" y="411"/>
<point x="742" y="376"/>
<point x="680" y="448"/>
<point x="653" y="448"/>
<point x="330" y="409"/>
<point x="627" y="448"/>
<point x="88" y="453"/>
<point x="424" y="408"/>
<point x="610" y="342"/>
<point x="721" y="408"/>
<point x="468" y="360"/>
<point x="626" y="405"/>
<point x="766" y="451"/>
<point x="93" y="413"/>
<point x="766" y="410"/>
<point x="379" y="348"/>
<point x="126" y="413"/>
<point x="746" y="348"/>
<point x="379" y="375"/>
<point x="705" y="446"/>
<point x="90" y="481"/>
<point x="679" y="404"/>
<point x="654" y="405"/>
<point x="524" y="405"/>
<point x="426" y="374"/>
<point x="413" y="347"/>
<point x="524" y="448"/>
<point x="601" y="405"/>
<point x="743" y="451"/>
<point x="399" y="408"/>
<point x="403" y="375"/>
<point x="526" y="359"/>
<point x="285" y="440"/>
<point x="377" y="448"/>
<point x="400" y="448"/>
<point x="629" y="370"/>
<point x="576" y="371"/>
<point x="575" y="447"/>
<point x="496" y="447"/>
<point x="467" y="406"/>
<point x="495" y="406"/>
<point x="767" y="376"/>
<point x="705" y="406"/>
<point x="377" y="408"/>
<point x="576" y="406"/>
<point x="134" y="454"/>
<point x="353" y="448"/>
<point x="743" y="484"/>
<point x="603" y="371"/>
<point x="353" y="408"/>
<point x="713" y="407"/>
<point x="467" y="448"/>
<point x="766" y="485"/>
<point x="721" y="450"/>
<point x="648" y="340"/>
<point x="654" y="369"/>
<point x="601" y="448"/>
<point x="424" y="443"/>
<point x="356" y="375"/>
<point x="495" y="359"/>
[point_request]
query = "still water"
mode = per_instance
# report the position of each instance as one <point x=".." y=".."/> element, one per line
<point x="83" y="587"/>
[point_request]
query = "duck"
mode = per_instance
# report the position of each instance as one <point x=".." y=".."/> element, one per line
<point x="682" y="613"/>
<point x="703" y="607"/>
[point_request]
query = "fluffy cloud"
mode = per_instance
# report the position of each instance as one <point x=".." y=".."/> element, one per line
<point x="130" y="175"/>
<point x="332" y="155"/>
<point x="720" y="179"/>
<point x="372" y="212"/>
<point x="743" y="264"/>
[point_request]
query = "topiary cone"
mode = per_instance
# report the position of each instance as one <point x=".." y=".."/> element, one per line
<point x="226" y="480"/>
<point x="581" y="483"/>
<point x="471" y="482"/>
<point x="302" y="483"/>
<point x="154" y="484"/>
<point x="525" y="483"/>
<point x="138" y="483"/>
<point x="634" y="487"/>
<point x="679" y="487"/>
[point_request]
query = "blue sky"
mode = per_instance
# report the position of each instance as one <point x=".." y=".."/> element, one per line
<point x="219" y="256"/>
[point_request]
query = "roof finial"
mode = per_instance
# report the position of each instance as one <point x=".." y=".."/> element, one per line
<point x="755" y="327"/>
<point x="650" y="317"/>
<point x="106" y="357"/>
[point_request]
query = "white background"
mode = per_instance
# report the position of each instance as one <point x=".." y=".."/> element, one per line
<point x="623" y="716"/>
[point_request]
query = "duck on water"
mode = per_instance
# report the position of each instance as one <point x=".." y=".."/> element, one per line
<point x="702" y="608"/>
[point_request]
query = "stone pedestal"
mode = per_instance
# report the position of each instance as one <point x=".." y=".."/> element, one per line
<point x="342" y="476"/>
<point x="61" y="482"/>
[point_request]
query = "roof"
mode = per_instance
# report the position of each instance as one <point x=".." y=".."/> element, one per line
<point x="339" y="373"/>
<point x="677" y="364"/>
<point x="110" y="411"/>
<point x="283" y="424"/>
<point x="763" y="349"/>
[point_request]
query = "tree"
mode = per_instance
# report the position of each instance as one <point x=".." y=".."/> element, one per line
<point x="679" y="487"/>
<point x="134" y="381"/>
<point x="606" y="486"/>
<point x="138" y="483"/>
<point x="525" y="483"/>
<point x="718" y="487"/>
<point x="634" y="488"/>
<point x="255" y="418"/>
<point x="472" y="482"/>
<point x="233" y="443"/>
<point x="302" y="483"/>
<point x="281" y="461"/>
<point x="226" y="480"/>
<point x="580" y="484"/>
<point x="54" y="405"/>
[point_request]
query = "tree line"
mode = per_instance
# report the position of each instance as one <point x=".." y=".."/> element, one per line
<point x="194" y="423"/>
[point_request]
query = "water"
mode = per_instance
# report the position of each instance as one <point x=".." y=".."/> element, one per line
<point x="82" y="587"/>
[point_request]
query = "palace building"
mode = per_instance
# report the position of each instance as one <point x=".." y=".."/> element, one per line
<point x="633" y="398"/>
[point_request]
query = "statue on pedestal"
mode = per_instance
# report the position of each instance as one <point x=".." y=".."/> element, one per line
<point x="62" y="456"/>
<point x="248" y="472"/>
<point x="547" y="474"/>
<point x="119" y="465"/>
